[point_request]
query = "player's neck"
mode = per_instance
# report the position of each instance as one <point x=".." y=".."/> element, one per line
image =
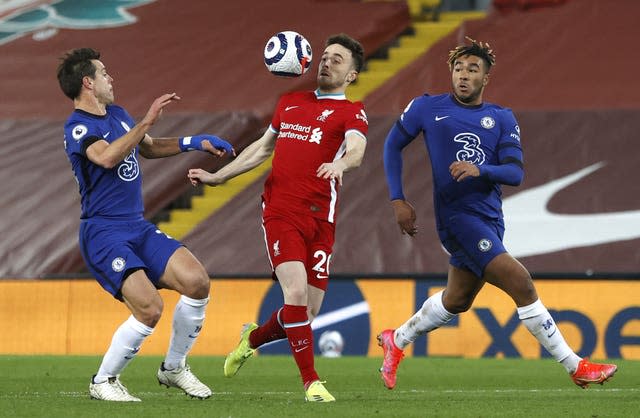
<point x="90" y="105"/>
<point x="473" y="103"/>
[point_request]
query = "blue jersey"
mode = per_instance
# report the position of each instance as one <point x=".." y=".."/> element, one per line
<point x="486" y="135"/>
<point x="109" y="193"/>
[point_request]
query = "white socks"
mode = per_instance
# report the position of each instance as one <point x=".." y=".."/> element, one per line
<point x="124" y="346"/>
<point x="539" y="323"/>
<point x="432" y="315"/>
<point x="535" y="317"/>
<point x="187" y="323"/>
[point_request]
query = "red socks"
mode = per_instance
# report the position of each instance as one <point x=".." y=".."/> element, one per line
<point x="298" y="328"/>
<point x="267" y="332"/>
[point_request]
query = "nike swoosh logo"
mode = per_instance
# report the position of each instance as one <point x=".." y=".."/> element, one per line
<point x="556" y="232"/>
<point x="550" y="335"/>
<point x="320" y="276"/>
<point x="297" y="350"/>
<point x="107" y="134"/>
<point x="439" y="118"/>
<point x="289" y="108"/>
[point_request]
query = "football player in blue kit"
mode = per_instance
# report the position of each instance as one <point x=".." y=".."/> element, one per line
<point x="474" y="148"/>
<point x="128" y="255"/>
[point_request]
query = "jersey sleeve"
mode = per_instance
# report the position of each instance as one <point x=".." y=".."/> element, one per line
<point x="411" y="119"/>
<point x="79" y="135"/>
<point x="509" y="169"/>
<point x="358" y="122"/>
<point x="401" y="134"/>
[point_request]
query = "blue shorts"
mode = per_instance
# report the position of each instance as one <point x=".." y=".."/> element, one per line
<point x="112" y="249"/>
<point x="472" y="241"/>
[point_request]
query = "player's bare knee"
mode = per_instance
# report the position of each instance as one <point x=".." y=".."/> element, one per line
<point x="525" y="293"/>
<point x="150" y="314"/>
<point x="198" y="287"/>
<point x="457" y="306"/>
<point x="296" y="295"/>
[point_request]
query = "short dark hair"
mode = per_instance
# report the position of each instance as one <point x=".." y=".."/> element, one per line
<point x="477" y="48"/>
<point x="76" y="64"/>
<point x="352" y="45"/>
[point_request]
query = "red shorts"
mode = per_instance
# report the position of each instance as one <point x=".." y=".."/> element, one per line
<point x="297" y="237"/>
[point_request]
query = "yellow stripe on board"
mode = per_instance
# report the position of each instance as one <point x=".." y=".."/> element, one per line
<point x="182" y="221"/>
<point x="409" y="48"/>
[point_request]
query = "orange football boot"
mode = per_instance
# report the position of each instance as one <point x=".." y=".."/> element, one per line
<point x="588" y="372"/>
<point x="392" y="357"/>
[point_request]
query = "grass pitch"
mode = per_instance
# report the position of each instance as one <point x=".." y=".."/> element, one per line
<point x="268" y="386"/>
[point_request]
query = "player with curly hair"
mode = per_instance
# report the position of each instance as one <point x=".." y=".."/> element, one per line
<point x="474" y="148"/>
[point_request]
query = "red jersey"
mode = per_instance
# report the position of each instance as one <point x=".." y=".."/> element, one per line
<point x="311" y="130"/>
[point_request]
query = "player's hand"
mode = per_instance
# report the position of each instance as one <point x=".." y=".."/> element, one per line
<point x="154" y="112"/>
<point x="209" y="143"/>
<point x="216" y="146"/>
<point x="460" y="170"/>
<point x="405" y="216"/>
<point x="331" y="171"/>
<point x="200" y="176"/>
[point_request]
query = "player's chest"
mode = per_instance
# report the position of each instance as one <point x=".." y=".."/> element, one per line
<point x="311" y="124"/>
<point x="454" y="129"/>
<point x="112" y="128"/>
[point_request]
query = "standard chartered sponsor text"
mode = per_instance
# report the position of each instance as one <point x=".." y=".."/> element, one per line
<point x="294" y="131"/>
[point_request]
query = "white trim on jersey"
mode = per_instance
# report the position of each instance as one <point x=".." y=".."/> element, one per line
<point x="272" y="129"/>
<point x="334" y="193"/>
<point x="330" y="96"/>
<point x="355" y="131"/>
<point x="266" y="243"/>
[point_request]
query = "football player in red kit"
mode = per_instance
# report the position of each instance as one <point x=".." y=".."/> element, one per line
<point x="315" y="136"/>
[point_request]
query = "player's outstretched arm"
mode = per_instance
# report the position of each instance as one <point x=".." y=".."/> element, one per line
<point x="107" y="155"/>
<point x="165" y="147"/>
<point x="352" y="158"/>
<point x="249" y="158"/>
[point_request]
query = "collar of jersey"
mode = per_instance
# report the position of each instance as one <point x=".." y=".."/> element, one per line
<point x="92" y="115"/>
<point x="332" y="96"/>
<point x="465" y="106"/>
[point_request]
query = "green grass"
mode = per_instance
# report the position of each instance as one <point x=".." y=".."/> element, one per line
<point x="268" y="386"/>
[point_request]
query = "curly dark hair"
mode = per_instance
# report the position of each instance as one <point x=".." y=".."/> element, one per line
<point x="76" y="65"/>
<point x="477" y="48"/>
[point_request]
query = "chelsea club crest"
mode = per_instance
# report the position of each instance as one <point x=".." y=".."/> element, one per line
<point x="487" y="122"/>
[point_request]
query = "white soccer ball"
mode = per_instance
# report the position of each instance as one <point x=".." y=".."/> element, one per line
<point x="331" y="344"/>
<point x="288" y="54"/>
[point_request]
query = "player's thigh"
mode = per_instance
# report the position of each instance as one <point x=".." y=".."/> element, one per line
<point x="473" y="241"/>
<point x="285" y="239"/>
<point x="508" y="274"/>
<point x="462" y="288"/>
<point x="107" y="249"/>
<point x="168" y="263"/>
<point x="293" y="281"/>
<point x="186" y="275"/>
<point x="142" y="298"/>
<point x="319" y="252"/>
